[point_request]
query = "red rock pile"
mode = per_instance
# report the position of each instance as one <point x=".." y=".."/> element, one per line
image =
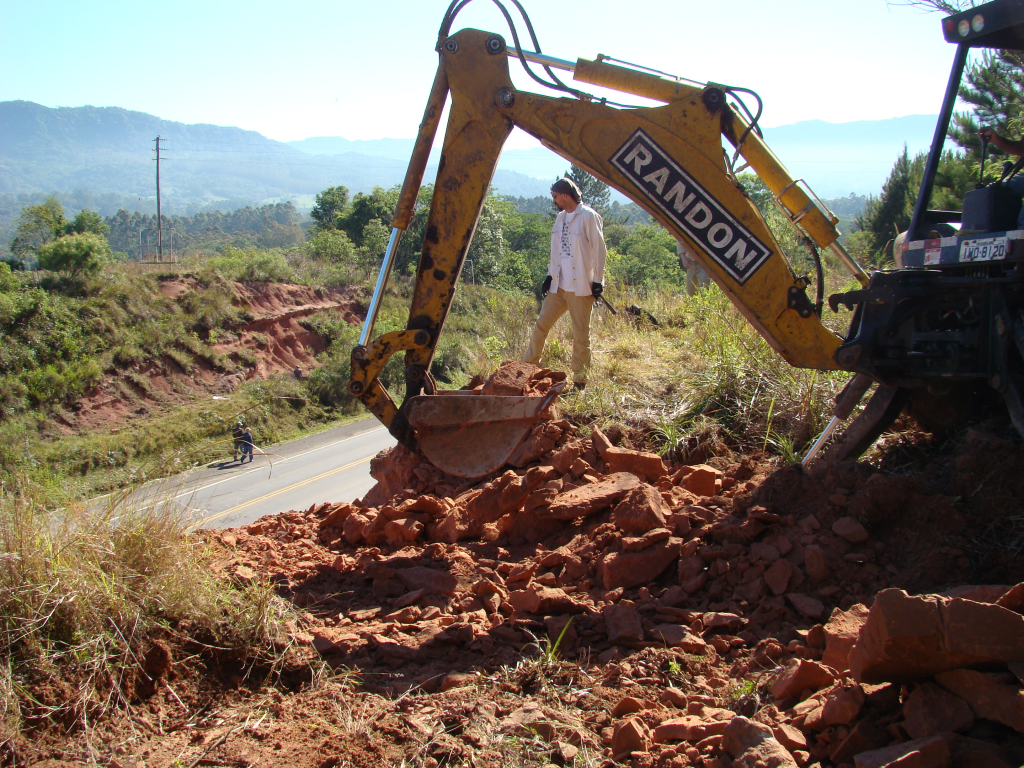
<point x="608" y="551"/>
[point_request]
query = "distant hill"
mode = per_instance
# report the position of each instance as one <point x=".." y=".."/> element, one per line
<point x="839" y="158"/>
<point x="105" y="155"/>
<point x="110" y="151"/>
<point x="834" y="158"/>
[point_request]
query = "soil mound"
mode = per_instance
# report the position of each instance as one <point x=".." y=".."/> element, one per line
<point x="773" y="611"/>
<point x="592" y="604"/>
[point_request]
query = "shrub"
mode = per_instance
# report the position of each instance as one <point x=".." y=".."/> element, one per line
<point x="252" y="266"/>
<point x="8" y="282"/>
<point x="79" y="255"/>
<point x="332" y="245"/>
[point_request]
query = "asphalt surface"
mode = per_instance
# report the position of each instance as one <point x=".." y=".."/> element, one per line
<point x="330" y="466"/>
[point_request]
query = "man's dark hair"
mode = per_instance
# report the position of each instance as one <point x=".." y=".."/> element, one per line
<point x="567" y="187"/>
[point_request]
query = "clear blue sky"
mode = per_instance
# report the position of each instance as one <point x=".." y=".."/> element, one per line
<point x="362" y="69"/>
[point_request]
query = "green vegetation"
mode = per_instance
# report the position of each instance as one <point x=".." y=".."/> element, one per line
<point x="77" y="255"/>
<point x="247" y="228"/>
<point x="84" y="320"/>
<point x="86" y="593"/>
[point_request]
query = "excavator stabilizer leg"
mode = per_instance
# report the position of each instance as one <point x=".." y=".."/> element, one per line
<point x="882" y="409"/>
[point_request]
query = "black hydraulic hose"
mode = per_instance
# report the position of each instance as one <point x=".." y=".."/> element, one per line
<point x="536" y="46"/>
<point x="457" y="5"/>
<point x="819" y="275"/>
<point x="556" y="83"/>
<point x="731" y="90"/>
<point x="754" y="119"/>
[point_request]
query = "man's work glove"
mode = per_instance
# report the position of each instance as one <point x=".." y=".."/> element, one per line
<point x="545" y="286"/>
<point x="596" y="289"/>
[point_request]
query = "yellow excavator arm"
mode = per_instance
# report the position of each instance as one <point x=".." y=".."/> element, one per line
<point x="668" y="159"/>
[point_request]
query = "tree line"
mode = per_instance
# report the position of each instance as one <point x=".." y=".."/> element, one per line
<point x="511" y="245"/>
<point x="266" y="226"/>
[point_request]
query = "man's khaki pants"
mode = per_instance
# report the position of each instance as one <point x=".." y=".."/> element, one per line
<point x="555" y="305"/>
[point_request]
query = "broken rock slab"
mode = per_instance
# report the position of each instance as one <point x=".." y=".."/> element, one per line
<point x="806" y="605"/>
<point x="511" y="379"/>
<point x="778" y="575"/>
<point x="850" y="529"/>
<point x="907" y="638"/>
<point x="622" y="622"/>
<point x="629" y="737"/>
<point x="678" y="636"/>
<point x="393" y="469"/>
<point x="600" y="441"/>
<point x="431" y="581"/>
<point x="753" y="745"/>
<point x="702" y="480"/>
<point x="640" y="511"/>
<point x="932" y="752"/>
<point x="632" y="569"/>
<point x="931" y="710"/>
<point x="539" y="599"/>
<point x="647" y="466"/>
<point x="591" y="498"/>
<point x="1013" y="599"/>
<point x="801" y="675"/>
<point x="989" y="695"/>
<point x="841" y="632"/>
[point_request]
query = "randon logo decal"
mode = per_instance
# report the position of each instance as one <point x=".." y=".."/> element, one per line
<point x="690" y="206"/>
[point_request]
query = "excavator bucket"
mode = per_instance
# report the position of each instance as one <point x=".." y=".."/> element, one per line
<point x="471" y="435"/>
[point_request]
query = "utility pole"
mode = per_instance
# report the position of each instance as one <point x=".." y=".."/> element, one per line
<point x="159" y="221"/>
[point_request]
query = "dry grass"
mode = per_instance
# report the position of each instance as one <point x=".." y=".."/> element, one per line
<point x="85" y="590"/>
<point x="701" y="375"/>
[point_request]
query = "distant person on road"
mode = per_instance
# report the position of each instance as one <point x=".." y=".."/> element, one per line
<point x="236" y="439"/>
<point x="575" y="277"/>
<point x="247" y="445"/>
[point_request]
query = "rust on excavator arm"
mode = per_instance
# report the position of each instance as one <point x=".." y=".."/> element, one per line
<point x="668" y="159"/>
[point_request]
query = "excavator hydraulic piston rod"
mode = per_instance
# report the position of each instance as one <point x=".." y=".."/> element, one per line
<point x="378" y="289"/>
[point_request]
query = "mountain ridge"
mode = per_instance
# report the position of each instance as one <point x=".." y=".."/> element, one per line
<point x="109" y="150"/>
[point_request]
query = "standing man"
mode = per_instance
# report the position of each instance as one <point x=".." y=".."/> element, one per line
<point x="236" y="439"/>
<point x="575" y="277"/>
<point x="696" y="278"/>
<point x="247" y="445"/>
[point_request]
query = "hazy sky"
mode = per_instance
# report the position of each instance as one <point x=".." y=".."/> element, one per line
<point x="362" y="70"/>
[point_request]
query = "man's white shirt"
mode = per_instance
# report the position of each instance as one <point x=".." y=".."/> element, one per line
<point x="578" y="251"/>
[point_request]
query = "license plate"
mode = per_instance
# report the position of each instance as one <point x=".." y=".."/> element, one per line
<point x="987" y="249"/>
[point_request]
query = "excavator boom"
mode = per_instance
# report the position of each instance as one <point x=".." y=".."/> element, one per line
<point x="668" y="159"/>
<point x="941" y="335"/>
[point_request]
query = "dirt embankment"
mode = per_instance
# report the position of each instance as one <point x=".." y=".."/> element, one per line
<point x="591" y="605"/>
<point x="274" y="340"/>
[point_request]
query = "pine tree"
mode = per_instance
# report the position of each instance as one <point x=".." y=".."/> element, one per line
<point x="994" y="88"/>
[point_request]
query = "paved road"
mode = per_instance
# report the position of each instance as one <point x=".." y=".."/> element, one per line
<point x="330" y="466"/>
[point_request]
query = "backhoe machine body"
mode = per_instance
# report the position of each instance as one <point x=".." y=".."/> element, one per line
<point x="669" y="159"/>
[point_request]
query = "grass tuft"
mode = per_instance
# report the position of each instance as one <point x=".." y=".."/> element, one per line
<point x="85" y="591"/>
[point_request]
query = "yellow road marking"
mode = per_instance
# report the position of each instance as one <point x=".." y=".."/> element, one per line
<point x="281" y="490"/>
